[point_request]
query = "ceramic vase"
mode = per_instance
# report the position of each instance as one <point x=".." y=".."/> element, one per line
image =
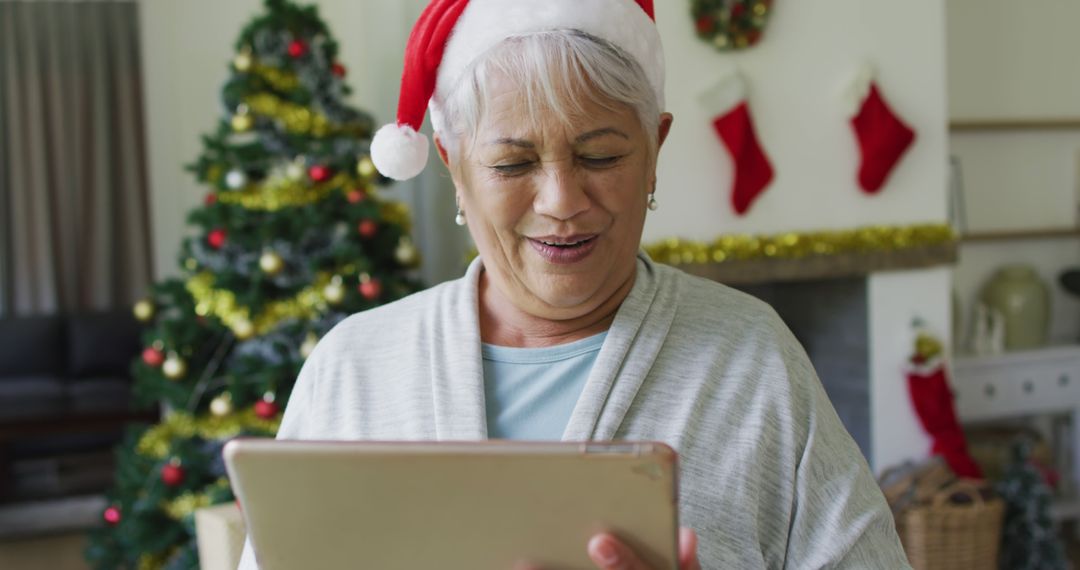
<point x="1023" y="300"/>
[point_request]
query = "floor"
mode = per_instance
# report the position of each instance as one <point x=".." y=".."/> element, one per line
<point x="58" y="552"/>
<point x="65" y="552"/>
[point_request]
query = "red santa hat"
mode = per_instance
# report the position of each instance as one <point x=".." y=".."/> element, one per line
<point x="450" y="34"/>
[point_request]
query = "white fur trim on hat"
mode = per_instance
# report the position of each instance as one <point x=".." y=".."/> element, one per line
<point x="485" y="23"/>
<point x="399" y="152"/>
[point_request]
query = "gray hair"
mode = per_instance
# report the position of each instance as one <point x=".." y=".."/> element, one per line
<point x="558" y="71"/>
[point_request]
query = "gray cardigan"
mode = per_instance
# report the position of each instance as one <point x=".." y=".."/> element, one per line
<point x="769" y="478"/>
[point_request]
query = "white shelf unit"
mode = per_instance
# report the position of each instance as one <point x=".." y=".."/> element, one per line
<point x="1042" y="381"/>
<point x="1023" y="384"/>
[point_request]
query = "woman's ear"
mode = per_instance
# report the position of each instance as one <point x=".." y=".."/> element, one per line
<point x="442" y="150"/>
<point x="665" y="127"/>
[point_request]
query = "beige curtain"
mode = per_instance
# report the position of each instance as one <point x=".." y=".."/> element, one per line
<point x="74" y="219"/>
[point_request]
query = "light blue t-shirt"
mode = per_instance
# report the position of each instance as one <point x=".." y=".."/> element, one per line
<point x="531" y="392"/>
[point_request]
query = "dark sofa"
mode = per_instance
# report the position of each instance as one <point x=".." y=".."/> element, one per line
<point x="65" y="385"/>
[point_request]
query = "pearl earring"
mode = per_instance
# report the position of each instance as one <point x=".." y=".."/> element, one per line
<point x="652" y="201"/>
<point x="459" y="219"/>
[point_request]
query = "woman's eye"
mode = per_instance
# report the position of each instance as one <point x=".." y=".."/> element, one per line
<point x="600" y="161"/>
<point x="511" y="169"/>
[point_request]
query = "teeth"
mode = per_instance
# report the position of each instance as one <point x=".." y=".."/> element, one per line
<point x="553" y="244"/>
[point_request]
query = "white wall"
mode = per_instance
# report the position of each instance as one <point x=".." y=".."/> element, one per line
<point x="1011" y="60"/>
<point x="894" y="300"/>
<point x="796" y="76"/>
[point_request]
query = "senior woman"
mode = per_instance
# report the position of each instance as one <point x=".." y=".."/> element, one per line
<point x="548" y="115"/>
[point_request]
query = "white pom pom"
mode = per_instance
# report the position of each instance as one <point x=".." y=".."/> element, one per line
<point x="399" y="152"/>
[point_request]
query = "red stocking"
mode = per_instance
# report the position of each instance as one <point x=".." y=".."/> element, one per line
<point x="933" y="403"/>
<point x="883" y="138"/>
<point x="726" y="102"/>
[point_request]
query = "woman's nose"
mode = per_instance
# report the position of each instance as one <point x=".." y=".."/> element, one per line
<point x="561" y="194"/>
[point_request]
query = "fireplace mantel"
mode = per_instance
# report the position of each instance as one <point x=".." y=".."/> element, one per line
<point x="831" y="266"/>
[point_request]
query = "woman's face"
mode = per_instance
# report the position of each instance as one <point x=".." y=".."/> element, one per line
<point x="556" y="210"/>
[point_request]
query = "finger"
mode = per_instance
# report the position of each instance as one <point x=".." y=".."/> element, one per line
<point x="688" y="559"/>
<point x="608" y="553"/>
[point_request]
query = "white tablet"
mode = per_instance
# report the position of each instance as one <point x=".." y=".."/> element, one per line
<point x="482" y="505"/>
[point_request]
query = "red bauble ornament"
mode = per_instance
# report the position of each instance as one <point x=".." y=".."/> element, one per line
<point x="338" y="70"/>
<point x="153" y="357"/>
<point x="368" y="229"/>
<point x="356" y="196"/>
<point x="297" y="48"/>
<point x="112" y="516"/>
<point x="216" y="238"/>
<point x="265" y="409"/>
<point x="172" y="474"/>
<point x="704" y="25"/>
<point x="211" y="199"/>
<point x="371" y="289"/>
<point x="737" y="11"/>
<point x="319" y="173"/>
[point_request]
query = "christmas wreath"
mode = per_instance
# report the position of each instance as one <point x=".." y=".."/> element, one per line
<point x="730" y="24"/>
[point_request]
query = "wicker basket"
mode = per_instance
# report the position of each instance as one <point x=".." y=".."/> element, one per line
<point x="940" y="535"/>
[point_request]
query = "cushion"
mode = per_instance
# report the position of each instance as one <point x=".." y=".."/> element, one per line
<point x="27" y="397"/>
<point x="31" y="346"/>
<point x="64" y="444"/>
<point x="102" y="344"/>
<point x="99" y="395"/>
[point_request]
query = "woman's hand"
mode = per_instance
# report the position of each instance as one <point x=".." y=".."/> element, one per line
<point x="608" y="553"/>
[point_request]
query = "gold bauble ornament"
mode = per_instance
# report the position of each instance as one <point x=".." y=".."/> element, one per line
<point x="406" y="253"/>
<point x="335" y="291"/>
<point x="243" y="61"/>
<point x="243" y="329"/>
<point x="271" y="263"/>
<point x="222" y="405"/>
<point x="295" y="170"/>
<point x="308" y="345"/>
<point x="144" y="310"/>
<point x="174" y="367"/>
<point x="242" y="123"/>
<point x="365" y="167"/>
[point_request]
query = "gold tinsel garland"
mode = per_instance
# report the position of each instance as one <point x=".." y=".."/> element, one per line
<point x="157" y="441"/>
<point x="155" y="562"/>
<point x="221" y="303"/>
<point x="396" y="214"/>
<point x="185" y="505"/>
<point x="276" y="194"/>
<point x="298" y="119"/>
<point x="796" y="245"/>
<point x="279" y="79"/>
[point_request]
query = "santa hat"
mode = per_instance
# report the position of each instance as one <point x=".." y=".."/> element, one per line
<point x="450" y="34"/>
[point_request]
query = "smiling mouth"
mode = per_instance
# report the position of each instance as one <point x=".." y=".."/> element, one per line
<point x="566" y="244"/>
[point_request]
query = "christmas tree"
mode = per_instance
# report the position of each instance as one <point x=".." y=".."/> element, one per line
<point x="1029" y="541"/>
<point x="291" y="239"/>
